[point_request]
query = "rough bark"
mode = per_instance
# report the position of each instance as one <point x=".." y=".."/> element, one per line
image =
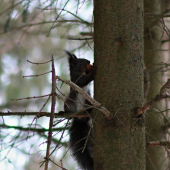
<point x="118" y="42"/>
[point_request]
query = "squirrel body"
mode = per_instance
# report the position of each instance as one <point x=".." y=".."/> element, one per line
<point x="81" y="133"/>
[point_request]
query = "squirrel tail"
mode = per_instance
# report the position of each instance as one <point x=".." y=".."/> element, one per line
<point x="81" y="142"/>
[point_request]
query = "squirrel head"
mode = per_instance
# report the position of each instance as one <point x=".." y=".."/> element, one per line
<point x="80" y="65"/>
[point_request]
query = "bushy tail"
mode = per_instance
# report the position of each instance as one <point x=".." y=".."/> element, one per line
<point x="82" y="149"/>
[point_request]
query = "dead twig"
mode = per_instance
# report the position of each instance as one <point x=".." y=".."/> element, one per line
<point x="162" y="95"/>
<point x="53" y="101"/>
<point x="47" y="114"/>
<point x="159" y="143"/>
<point x="96" y="104"/>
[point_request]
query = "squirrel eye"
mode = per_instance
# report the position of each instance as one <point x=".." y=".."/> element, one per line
<point x="80" y="61"/>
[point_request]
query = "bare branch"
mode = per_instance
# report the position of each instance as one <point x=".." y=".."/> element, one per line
<point x="39" y="130"/>
<point x="38" y="63"/>
<point x="66" y="126"/>
<point x="72" y="38"/>
<point x="87" y="34"/>
<point x="88" y="97"/>
<point x="157" y="15"/>
<point x="38" y="74"/>
<point x="53" y="101"/>
<point x="57" y="18"/>
<point x="58" y="165"/>
<point x="162" y="95"/>
<point x="47" y="114"/>
<point x="34" y="97"/>
<point x="165" y="88"/>
<point x="159" y="143"/>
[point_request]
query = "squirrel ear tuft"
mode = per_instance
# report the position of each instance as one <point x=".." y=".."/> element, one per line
<point x="70" y="56"/>
<point x="72" y="59"/>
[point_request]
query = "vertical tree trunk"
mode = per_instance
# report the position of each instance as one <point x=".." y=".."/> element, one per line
<point x="152" y="42"/>
<point x="118" y="41"/>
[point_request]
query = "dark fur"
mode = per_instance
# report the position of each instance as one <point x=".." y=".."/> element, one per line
<point x="80" y="130"/>
<point x="78" y="135"/>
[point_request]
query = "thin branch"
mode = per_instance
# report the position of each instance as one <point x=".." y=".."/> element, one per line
<point x="159" y="143"/>
<point x="72" y="38"/>
<point x="55" y="141"/>
<point x="38" y="63"/>
<point x="38" y="74"/>
<point x="60" y="138"/>
<point x="77" y="17"/>
<point x="87" y="138"/>
<point x="43" y="106"/>
<point x="164" y="41"/>
<point x="158" y="15"/>
<point x="162" y="95"/>
<point x="10" y="7"/>
<point x="53" y="102"/>
<point x="21" y="128"/>
<point x="39" y="113"/>
<point x="89" y="45"/>
<point x="87" y="34"/>
<point x="34" y="97"/>
<point x="45" y="22"/>
<point x="165" y="88"/>
<point x="47" y="114"/>
<point x="88" y="97"/>
<point x="57" y="165"/>
<point x="57" y="18"/>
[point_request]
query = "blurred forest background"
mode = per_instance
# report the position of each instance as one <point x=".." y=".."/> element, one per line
<point x="35" y="30"/>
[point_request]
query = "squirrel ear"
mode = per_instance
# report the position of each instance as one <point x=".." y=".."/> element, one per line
<point x="70" y="56"/>
<point x="71" y="59"/>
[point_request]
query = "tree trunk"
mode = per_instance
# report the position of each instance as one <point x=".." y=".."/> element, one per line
<point x="152" y="42"/>
<point x="118" y="40"/>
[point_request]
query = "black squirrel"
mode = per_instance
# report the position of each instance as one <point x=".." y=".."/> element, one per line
<point x="81" y="133"/>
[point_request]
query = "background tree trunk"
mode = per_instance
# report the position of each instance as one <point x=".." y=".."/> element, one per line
<point x="118" y="41"/>
<point x="152" y="42"/>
